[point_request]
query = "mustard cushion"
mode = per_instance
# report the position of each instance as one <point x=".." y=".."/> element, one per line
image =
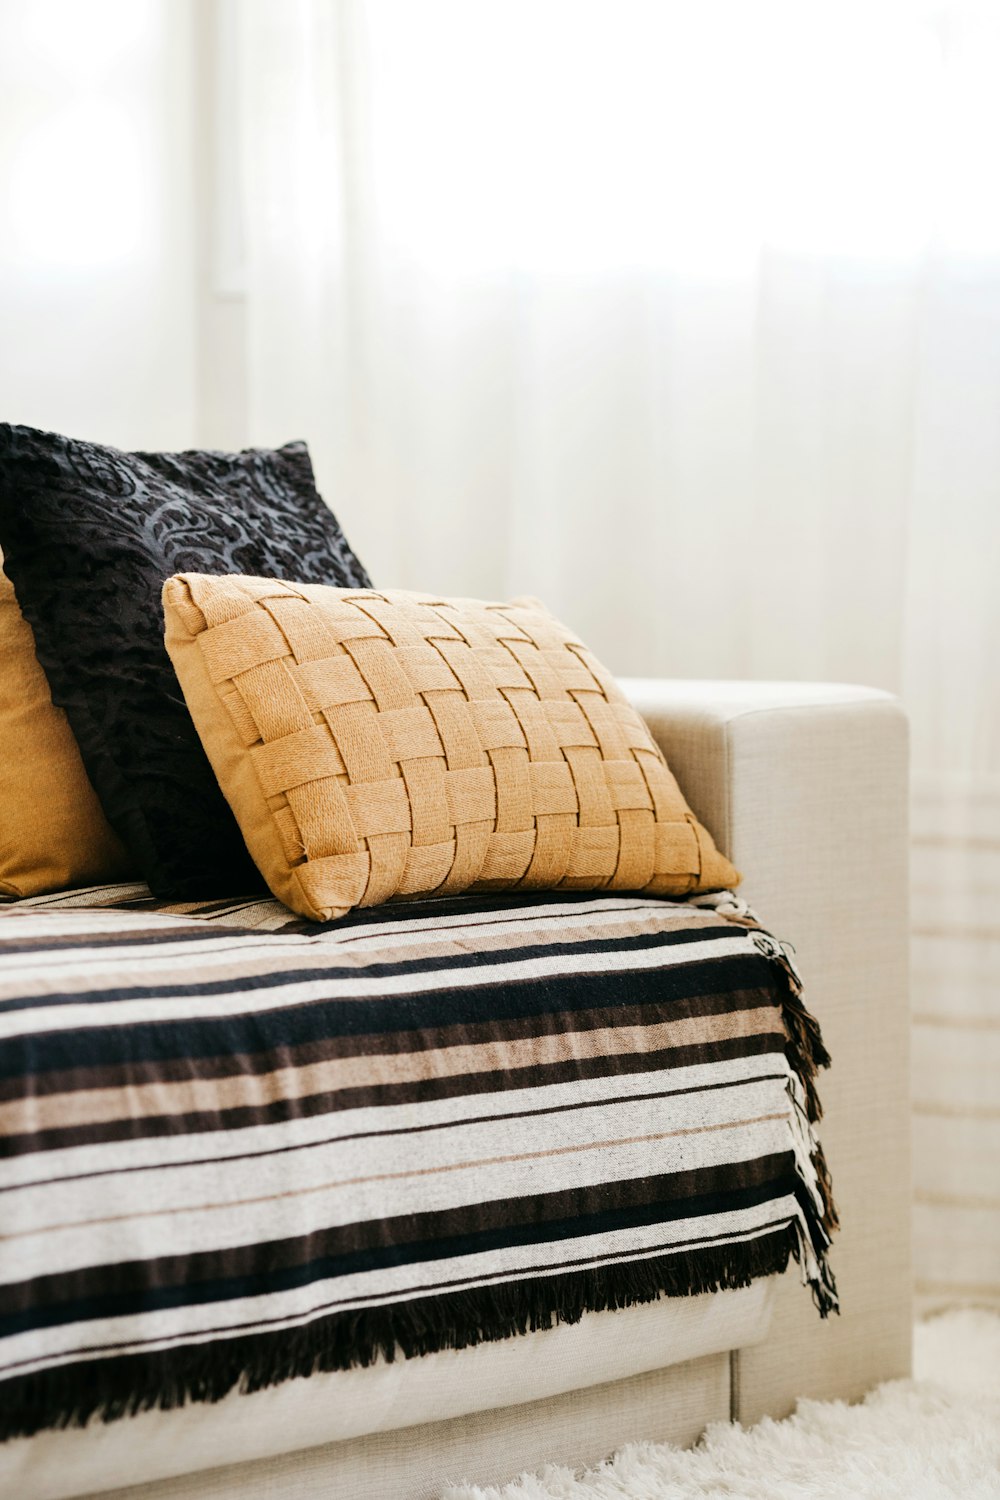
<point x="379" y="745"/>
<point x="53" y="833"/>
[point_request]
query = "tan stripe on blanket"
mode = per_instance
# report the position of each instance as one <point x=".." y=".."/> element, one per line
<point x="232" y="957"/>
<point x="93" y="1106"/>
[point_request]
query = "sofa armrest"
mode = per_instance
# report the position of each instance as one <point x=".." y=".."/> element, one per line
<point x="804" y="786"/>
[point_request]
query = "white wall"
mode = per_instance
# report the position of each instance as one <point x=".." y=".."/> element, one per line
<point x="98" y="243"/>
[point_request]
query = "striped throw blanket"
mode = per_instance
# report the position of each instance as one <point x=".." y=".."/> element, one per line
<point x="235" y="1148"/>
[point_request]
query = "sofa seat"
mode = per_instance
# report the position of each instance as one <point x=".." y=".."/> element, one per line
<point x="235" y="1155"/>
<point x="339" y="1405"/>
<point x="781" y="774"/>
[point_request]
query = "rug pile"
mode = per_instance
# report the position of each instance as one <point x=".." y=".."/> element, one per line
<point x="936" y="1437"/>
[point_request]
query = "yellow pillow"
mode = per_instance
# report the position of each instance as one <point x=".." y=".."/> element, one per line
<point x="377" y="745"/>
<point x="53" y="833"/>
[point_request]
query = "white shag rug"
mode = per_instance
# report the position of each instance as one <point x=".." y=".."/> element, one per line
<point x="936" y="1437"/>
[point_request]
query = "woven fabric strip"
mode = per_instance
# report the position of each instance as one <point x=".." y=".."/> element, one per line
<point x="408" y="744"/>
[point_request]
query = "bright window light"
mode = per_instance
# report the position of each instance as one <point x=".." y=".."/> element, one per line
<point x="571" y="135"/>
<point x="78" y="161"/>
<point x="76" y="190"/>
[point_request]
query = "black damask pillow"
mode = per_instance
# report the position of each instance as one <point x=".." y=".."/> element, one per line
<point x="88" y="536"/>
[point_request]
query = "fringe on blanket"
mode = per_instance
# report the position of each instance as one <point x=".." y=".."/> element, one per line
<point x="169" y="1378"/>
<point x="806" y="1054"/>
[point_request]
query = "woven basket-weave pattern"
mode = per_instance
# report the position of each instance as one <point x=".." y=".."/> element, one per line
<point x="408" y="744"/>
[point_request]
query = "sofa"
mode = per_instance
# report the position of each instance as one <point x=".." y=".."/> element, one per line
<point x="804" y="786"/>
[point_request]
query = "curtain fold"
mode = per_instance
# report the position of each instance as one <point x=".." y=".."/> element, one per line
<point x="687" y="320"/>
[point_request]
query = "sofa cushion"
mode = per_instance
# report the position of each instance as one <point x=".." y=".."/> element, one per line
<point x="53" y="833"/>
<point x="375" y="745"/>
<point x="553" y="1369"/>
<point x="89" y="534"/>
<point x="230" y="1155"/>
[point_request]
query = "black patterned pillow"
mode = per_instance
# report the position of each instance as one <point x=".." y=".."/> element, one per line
<point x="88" y="536"/>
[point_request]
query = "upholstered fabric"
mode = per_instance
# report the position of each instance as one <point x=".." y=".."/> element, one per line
<point x="773" y="768"/>
<point x="89" y="534"/>
<point x="414" y="1463"/>
<point x="53" y="833"/>
<point x="768" y="767"/>
<point x="555" y="1369"/>
<point x="380" y="745"/>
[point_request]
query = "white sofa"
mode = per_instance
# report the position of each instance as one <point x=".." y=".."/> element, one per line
<point x="805" y="787"/>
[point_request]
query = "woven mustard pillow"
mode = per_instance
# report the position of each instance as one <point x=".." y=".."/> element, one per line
<point x="382" y="745"/>
<point x="53" y="833"/>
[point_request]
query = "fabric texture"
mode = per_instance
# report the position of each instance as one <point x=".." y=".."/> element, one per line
<point x="235" y="1154"/>
<point x="771" y="768"/>
<point x="400" y="1463"/>
<point x="933" y="1438"/>
<point x="375" y="745"/>
<point x="548" y="1369"/>
<point x="53" y="833"/>
<point x="89" y="534"/>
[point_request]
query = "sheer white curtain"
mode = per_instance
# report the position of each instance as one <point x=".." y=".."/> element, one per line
<point x="98" y="323"/>
<point x="687" y="319"/>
